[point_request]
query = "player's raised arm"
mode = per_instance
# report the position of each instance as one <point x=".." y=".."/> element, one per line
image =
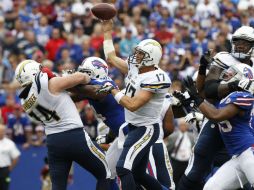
<point x="59" y="84"/>
<point x="109" y="49"/>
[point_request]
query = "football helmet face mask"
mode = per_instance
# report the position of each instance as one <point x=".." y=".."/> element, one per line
<point x="237" y="72"/>
<point x="243" y="43"/>
<point x="95" y="67"/>
<point x="26" y="70"/>
<point x="147" y="53"/>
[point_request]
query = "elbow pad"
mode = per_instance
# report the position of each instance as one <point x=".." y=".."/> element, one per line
<point x="211" y="89"/>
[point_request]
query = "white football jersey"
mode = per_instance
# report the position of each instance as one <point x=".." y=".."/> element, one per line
<point x="57" y="112"/>
<point x="156" y="81"/>
<point x="224" y="60"/>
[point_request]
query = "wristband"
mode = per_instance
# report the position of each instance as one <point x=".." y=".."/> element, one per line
<point x="108" y="47"/>
<point x="118" y="96"/>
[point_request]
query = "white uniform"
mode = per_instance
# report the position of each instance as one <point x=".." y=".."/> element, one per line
<point x="224" y="60"/>
<point x="166" y="161"/>
<point x="8" y="152"/>
<point x="57" y="112"/>
<point x="154" y="81"/>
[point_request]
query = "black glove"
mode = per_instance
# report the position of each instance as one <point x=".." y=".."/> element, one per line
<point x="183" y="98"/>
<point x="192" y="90"/>
<point x="205" y="60"/>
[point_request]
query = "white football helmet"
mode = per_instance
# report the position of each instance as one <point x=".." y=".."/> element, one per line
<point x="26" y="70"/>
<point x="95" y="67"/>
<point x="243" y="33"/>
<point x="152" y="53"/>
<point x="237" y="72"/>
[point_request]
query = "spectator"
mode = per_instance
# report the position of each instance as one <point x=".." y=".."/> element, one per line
<point x="127" y="44"/>
<point x="75" y="51"/>
<point x="88" y="51"/>
<point x="53" y="44"/>
<point x="163" y="35"/>
<point x="19" y="127"/>
<point x="40" y="137"/>
<point x="180" y="145"/>
<point x="97" y="38"/>
<point x="3" y="29"/>
<point x="8" y="108"/>
<point x="43" y="31"/>
<point x="79" y="35"/>
<point x="88" y="119"/>
<point x="9" y="155"/>
<point x="31" y="45"/>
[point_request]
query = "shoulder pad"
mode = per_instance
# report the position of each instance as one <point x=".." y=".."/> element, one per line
<point x="224" y="60"/>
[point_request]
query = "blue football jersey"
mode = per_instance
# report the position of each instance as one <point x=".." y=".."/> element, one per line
<point x="109" y="108"/>
<point x="237" y="132"/>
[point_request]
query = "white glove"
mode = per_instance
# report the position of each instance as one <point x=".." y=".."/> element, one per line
<point x="106" y="88"/>
<point x="101" y="139"/>
<point x="175" y="101"/>
<point x="195" y="119"/>
<point x="247" y="85"/>
<point x="189" y="118"/>
<point x="102" y="128"/>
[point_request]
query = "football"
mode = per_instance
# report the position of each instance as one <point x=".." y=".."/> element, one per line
<point x="104" y="11"/>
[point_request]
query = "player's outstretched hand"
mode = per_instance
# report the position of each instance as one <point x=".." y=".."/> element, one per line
<point x="105" y="89"/>
<point x="107" y="25"/>
<point x="192" y="90"/>
<point x="206" y="58"/>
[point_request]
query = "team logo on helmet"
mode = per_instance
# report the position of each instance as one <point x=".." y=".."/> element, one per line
<point x="248" y="73"/>
<point x="96" y="63"/>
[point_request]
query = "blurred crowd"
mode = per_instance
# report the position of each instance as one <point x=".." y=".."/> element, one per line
<point x="61" y="33"/>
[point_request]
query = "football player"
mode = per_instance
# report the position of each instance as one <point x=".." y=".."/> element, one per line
<point x="209" y="141"/>
<point x="233" y="116"/>
<point x="146" y="87"/>
<point x="44" y="98"/>
<point x="113" y="115"/>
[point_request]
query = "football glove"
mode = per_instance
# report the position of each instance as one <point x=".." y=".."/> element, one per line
<point x="195" y="119"/>
<point x="180" y="98"/>
<point x="192" y="90"/>
<point x="205" y="60"/>
<point x="106" y="88"/>
<point x="101" y="139"/>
